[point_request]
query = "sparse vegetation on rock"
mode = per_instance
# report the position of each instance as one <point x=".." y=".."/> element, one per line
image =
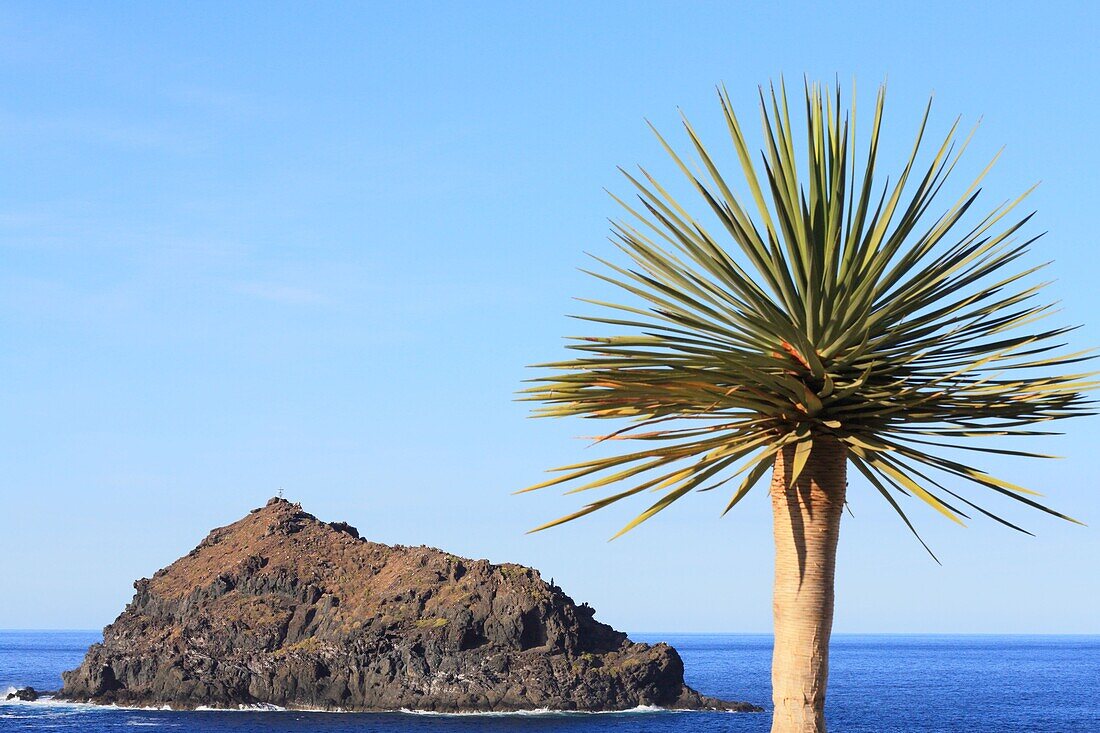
<point x="281" y="608"/>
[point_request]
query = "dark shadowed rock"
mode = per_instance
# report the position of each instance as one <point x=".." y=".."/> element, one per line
<point x="26" y="694"/>
<point x="281" y="608"/>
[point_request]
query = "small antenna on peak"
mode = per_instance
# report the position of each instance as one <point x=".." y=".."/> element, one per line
<point x="280" y="494"/>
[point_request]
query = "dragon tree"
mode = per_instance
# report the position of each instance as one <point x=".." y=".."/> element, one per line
<point x="802" y="319"/>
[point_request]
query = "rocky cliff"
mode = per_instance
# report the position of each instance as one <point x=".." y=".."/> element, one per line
<point x="284" y="609"/>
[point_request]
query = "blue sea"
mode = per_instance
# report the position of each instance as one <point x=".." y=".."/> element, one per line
<point x="878" y="684"/>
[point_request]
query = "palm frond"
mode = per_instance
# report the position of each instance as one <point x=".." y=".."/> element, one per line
<point x="826" y="306"/>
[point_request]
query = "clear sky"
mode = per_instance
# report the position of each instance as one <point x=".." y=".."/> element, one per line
<point x="265" y="245"/>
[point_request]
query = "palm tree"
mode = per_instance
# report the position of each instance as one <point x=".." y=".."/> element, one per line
<point x="844" y="326"/>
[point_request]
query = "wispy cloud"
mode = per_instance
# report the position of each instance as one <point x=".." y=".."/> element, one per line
<point x="219" y="103"/>
<point x="279" y="293"/>
<point x="98" y="128"/>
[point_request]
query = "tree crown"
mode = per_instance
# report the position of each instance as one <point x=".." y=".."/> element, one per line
<point x="844" y="311"/>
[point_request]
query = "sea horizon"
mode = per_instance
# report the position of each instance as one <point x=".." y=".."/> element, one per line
<point x="1085" y="634"/>
<point x="879" y="683"/>
<point x="337" y="334"/>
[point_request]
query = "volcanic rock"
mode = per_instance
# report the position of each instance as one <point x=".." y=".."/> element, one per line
<point x="26" y="694"/>
<point x="280" y="608"/>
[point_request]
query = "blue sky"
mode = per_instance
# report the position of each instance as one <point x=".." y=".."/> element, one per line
<point x="264" y="246"/>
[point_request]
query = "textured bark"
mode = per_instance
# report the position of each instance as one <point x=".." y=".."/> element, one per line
<point x="806" y="526"/>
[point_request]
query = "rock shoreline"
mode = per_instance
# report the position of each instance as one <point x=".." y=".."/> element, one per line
<point x="280" y="608"/>
<point x="24" y="694"/>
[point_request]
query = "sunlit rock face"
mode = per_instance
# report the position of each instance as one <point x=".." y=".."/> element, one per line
<point x="281" y="608"/>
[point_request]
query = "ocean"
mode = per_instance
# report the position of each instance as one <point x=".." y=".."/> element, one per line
<point x="878" y="684"/>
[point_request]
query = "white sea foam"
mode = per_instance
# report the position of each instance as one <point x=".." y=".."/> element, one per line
<point x="260" y="707"/>
<point x="547" y="712"/>
<point x="48" y="701"/>
<point x="69" y="707"/>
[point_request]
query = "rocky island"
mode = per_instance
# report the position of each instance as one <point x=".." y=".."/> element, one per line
<point x="281" y="608"/>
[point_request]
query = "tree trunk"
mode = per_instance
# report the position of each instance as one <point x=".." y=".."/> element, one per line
<point x="806" y="525"/>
